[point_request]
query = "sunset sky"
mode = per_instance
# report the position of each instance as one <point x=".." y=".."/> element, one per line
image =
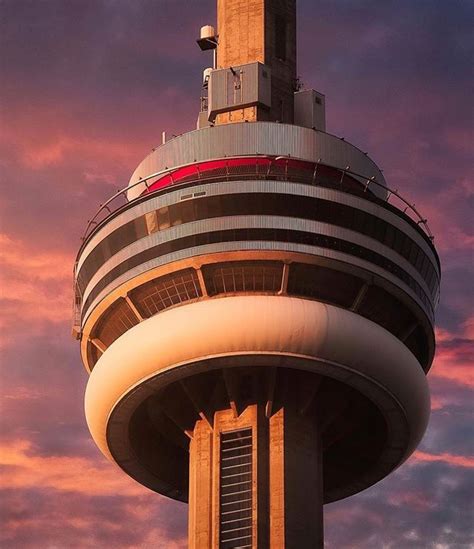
<point x="87" y="88"/>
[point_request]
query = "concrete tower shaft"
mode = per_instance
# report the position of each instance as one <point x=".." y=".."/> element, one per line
<point x="260" y="31"/>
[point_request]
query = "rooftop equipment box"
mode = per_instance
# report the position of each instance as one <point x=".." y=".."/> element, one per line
<point x="310" y="110"/>
<point x="239" y="87"/>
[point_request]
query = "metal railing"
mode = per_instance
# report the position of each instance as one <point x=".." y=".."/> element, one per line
<point x="111" y="205"/>
<point x="120" y="200"/>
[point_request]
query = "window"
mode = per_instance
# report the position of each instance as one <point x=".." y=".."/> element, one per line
<point x="260" y="204"/>
<point x="252" y="234"/>
<point x="157" y="295"/>
<point x="324" y="284"/>
<point x="257" y="276"/>
<point x="118" y="319"/>
<point x="163" y="218"/>
<point x="235" y="477"/>
<point x="305" y="280"/>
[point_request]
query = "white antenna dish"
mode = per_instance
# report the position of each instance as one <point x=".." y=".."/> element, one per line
<point x="208" y="38"/>
<point x="207" y="32"/>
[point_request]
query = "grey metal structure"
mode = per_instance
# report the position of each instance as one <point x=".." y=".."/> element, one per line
<point x="238" y="87"/>
<point x="265" y="138"/>
<point x="261" y="251"/>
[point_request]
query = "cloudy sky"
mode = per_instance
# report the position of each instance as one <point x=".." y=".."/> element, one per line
<point x="87" y="88"/>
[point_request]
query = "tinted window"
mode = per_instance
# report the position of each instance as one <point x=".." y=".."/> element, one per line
<point x="255" y="204"/>
<point x="278" y="235"/>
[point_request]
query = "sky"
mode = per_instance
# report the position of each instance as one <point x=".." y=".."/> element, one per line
<point x="87" y="87"/>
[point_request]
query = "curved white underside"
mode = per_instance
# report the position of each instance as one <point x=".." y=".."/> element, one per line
<point x="340" y="343"/>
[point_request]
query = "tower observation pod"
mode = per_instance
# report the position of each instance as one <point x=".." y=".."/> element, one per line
<point x="256" y="308"/>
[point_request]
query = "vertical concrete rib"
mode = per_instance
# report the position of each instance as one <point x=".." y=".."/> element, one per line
<point x="286" y="494"/>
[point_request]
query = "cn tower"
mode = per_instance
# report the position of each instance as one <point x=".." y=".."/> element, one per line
<point x="256" y="307"/>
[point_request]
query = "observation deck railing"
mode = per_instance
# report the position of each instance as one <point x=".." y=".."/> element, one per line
<point x="119" y="199"/>
<point x="265" y="167"/>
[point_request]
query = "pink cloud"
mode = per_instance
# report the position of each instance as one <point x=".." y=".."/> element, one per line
<point x="36" y="284"/>
<point x="338" y="514"/>
<point x="468" y="326"/>
<point x="39" y="264"/>
<point x="63" y="473"/>
<point x="77" y="502"/>
<point x="418" y="501"/>
<point x="438" y="402"/>
<point x="57" y="151"/>
<point x="450" y="459"/>
<point x="455" y="356"/>
<point x="59" y="133"/>
<point x="449" y="235"/>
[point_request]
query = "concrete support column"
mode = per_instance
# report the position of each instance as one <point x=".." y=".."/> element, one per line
<point x="287" y="496"/>
<point x="296" y="483"/>
<point x="200" y="487"/>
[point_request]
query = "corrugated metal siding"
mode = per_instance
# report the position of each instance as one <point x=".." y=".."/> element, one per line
<point x="257" y="138"/>
<point x="247" y="86"/>
<point x="249" y="222"/>
<point x="234" y="187"/>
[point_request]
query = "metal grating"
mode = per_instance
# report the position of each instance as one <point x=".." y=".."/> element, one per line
<point x="235" y="476"/>
<point x="161" y="293"/>
<point x="256" y="276"/>
<point x="118" y="319"/>
<point x="323" y="284"/>
<point x="93" y="354"/>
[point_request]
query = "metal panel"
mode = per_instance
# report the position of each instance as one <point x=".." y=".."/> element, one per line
<point x="249" y="222"/>
<point x="235" y="489"/>
<point x="257" y="138"/>
<point x="256" y="245"/>
<point x="239" y="87"/>
<point x="310" y="109"/>
<point x="234" y="187"/>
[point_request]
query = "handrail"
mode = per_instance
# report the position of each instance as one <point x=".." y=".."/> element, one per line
<point x="105" y="206"/>
<point x="369" y="181"/>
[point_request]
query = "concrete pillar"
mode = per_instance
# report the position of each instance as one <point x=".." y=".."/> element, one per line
<point x="287" y="496"/>
<point x="200" y="487"/>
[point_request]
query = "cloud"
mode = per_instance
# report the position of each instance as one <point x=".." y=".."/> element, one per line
<point x="407" y="510"/>
<point x="460" y="461"/>
<point x="44" y="518"/>
<point x="63" y="473"/>
<point x="36" y="286"/>
<point x="454" y="357"/>
<point x="76" y="120"/>
<point x="39" y="264"/>
<point x="65" y="501"/>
